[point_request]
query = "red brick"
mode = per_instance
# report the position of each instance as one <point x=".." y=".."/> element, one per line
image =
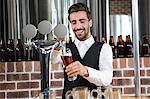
<point x="143" y="90"/>
<point x="148" y="90"/>
<point x="10" y="67"/>
<point x="20" y="94"/>
<point x="19" y="66"/>
<point x="117" y="73"/>
<point x="2" y="67"/>
<point x="130" y="62"/>
<point x="14" y="77"/>
<point x="145" y="81"/>
<point x="147" y="61"/>
<point x="129" y="90"/>
<point x="122" y="63"/>
<point x="2" y="95"/>
<point x="142" y="72"/>
<point x="35" y="76"/>
<point x="28" y="66"/>
<point x="58" y="92"/>
<point x="115" y="63"/>
<point x="7" y="86"/>
<point x="27" y="85"/>
<point x="148" y="72"/>
<point x="37" y="66"/>
<point x="121" y="82"/>
<point x="141" y="62"/>
<point x="120" y="7"/>
<point x="2" y="77"/>
<point x="55" y="84"/>
<point x="128" y="73"/>
<point x="58" y="75"/>
<point x="35" y="93"/>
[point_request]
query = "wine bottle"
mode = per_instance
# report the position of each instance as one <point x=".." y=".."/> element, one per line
<point x="35" y="54"/>
<point x="120" y="47"/>
<point x="28" y="52"/>
<point x="145" y="47"/>
<point x="3" y="51"/>
<point x="19" y="50"/>
<point x="10" y="50"/>
<point x="128" y="47"/>
<point x="112" y="44"/>
<point x="0" y="51"/>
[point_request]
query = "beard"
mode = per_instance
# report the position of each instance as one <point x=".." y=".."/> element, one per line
<point x="81" y="36"/>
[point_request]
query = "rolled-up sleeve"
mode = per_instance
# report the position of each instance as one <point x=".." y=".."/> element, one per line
<point x="103" y="76"/>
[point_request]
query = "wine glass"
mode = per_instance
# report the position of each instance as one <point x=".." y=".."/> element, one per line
<point x="67" y="59"/>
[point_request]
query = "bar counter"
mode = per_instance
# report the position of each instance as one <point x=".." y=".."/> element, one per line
<point x="22" y="79"/>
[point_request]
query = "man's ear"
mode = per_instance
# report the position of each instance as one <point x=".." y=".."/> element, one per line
<point x="90" y="23"/>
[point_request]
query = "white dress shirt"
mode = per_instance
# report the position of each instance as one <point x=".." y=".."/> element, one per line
<point x="104" y="75"/>
<point x="101" y="77"/>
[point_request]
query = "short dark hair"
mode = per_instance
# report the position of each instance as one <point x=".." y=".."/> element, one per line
<point x="79" y="7"/>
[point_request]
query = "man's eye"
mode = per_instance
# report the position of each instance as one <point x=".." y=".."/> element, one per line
<point x="82" y="21"/>
<point x="73" y="22"/>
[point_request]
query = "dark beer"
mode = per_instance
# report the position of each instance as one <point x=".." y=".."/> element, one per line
<point x="66" y="59"/>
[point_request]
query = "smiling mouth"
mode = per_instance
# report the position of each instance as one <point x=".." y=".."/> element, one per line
<point x="79" y="31"/>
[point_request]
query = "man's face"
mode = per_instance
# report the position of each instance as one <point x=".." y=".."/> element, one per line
<point x="80" y="25"/>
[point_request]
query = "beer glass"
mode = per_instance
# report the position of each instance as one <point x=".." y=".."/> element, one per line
<point x="78" y="93"/>
<point x="67" y="59"/>
<point x="102" y="93"/>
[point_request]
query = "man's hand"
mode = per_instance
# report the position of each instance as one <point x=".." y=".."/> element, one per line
<point x="59" y="40"/>
<point x="76" y="68"/>
<point x="58" y="48"/>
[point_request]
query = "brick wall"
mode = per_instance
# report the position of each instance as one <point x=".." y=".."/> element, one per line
<point x="120" y="7"/>
<point x="124" y="76"/>
<point x="22" y="79"/>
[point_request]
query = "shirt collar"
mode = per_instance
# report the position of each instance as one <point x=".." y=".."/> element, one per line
<point x="88" y="42"/>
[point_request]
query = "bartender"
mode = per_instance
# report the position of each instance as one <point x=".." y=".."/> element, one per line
<point x="92" y="61"/>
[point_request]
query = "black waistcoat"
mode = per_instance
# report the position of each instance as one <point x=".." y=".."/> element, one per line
<point x="90" y="59"/>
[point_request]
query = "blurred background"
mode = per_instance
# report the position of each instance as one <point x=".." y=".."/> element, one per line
<point x="124" y="24"/>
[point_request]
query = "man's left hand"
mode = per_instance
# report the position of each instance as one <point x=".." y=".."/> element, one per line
<point x="76" y="68"/>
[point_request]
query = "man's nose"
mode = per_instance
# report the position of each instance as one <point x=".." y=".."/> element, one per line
<point x="78" y="25"/>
